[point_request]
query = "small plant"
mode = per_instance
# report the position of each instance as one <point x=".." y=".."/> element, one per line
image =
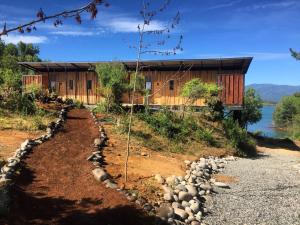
<point x="239" y="138"/>
<point x="78" y="105"/>
<point x="38" y="123"/>
<point x="206" y="135"/>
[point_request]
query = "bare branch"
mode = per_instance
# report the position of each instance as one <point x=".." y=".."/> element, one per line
<point x="91" y="8"/>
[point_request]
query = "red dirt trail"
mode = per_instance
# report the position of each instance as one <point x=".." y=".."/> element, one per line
<point x="56" y="185"/>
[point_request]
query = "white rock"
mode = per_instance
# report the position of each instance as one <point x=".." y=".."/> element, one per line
<point x="100" y="174"/>
<point x="24" y="144"/>
<point x="167" y="189"/>
<point x="176" y="205"/>
<point x="165" y="211"/>
<point x="159" y="179"/>
<point x="205" y="187"/>
<point x="168" y="196"/>
<point x="221" y="185"/>
<point x="195" y="206"/>
<point x="170" y="180"/>
<point x="181" y="213"/>
<point x="191" y="190"/>
<point x="185" y="204"/>
<point x="184" y="196"/>
<point x="187" y="162"/>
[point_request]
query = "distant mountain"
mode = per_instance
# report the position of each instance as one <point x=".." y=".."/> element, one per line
<point x="272" y="92"/>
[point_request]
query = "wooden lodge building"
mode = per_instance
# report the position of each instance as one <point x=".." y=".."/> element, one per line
<point x="164" y="79"/>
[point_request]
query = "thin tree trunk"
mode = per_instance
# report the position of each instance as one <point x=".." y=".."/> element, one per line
<point x="132" y="101"/>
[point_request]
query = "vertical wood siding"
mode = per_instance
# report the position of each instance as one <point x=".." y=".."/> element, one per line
<point x="232" y="85"/>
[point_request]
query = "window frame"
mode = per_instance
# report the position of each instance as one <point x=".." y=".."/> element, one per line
<point x="71" y="84"/>
<point x="171" y="85"/>
<point x="89" y="84"/>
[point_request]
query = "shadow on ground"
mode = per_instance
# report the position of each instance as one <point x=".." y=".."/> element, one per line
<point x="275" y="143"/>
<point x="37" y="210"/>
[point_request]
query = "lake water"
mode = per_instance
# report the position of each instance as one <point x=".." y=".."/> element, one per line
<point x="266" y="125"/>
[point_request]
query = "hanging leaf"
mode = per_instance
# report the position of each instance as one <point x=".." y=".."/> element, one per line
<point x="21" y="30"/>
<point x="40" y="14"/>
<point x="78" y="18"/>
<point x="28" y="29"/>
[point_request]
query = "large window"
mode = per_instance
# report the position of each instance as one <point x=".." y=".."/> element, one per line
<point x="171" y="85"/>
<point x="71" y="85"/>
<point x="89" y="84"/>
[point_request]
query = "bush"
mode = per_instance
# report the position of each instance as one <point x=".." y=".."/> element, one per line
<point x="103" y="107"/>
<point x="169" y="125"/>
<point x="78" y="105"/>
<point x="286" y="110"/>
<point x="16" y="102"/>
<point x="251" y="112"/>
<point x="206" y="135"/>
<point x="215" y="108"/>
<point x="239" y="138"/>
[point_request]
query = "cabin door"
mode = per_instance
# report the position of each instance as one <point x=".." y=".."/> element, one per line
<point x="61" y="89"/>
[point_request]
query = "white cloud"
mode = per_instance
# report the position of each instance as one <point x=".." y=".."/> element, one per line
<point x="124" y="24"/>
<point x="224" y="5"/>
<point x="14" y="39"/>
<point x="76" y="33"/>
<point x="282" y="4"/>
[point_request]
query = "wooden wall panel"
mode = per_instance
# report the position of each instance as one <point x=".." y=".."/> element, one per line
<point x="231" y="94"/>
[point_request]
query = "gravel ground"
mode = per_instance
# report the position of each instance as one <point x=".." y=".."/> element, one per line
<point x="268" y="191"/>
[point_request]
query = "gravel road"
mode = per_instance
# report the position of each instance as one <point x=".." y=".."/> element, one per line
<point x="267" y="191"/>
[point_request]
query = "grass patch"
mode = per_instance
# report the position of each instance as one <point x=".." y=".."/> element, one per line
<point x="16" y="121"/>
<point x="187" y="140"/>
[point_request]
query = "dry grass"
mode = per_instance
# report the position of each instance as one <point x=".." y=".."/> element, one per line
<point x="13" y="121"/>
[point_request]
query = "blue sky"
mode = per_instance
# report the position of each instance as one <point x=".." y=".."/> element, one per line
<point x="264" y="29"/>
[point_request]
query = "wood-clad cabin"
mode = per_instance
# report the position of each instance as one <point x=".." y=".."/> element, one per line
<point x="164" y="79"/>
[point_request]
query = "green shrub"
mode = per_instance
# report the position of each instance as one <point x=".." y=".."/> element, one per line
<point x="206" y="135"/>
<point x="78" y="105"/>
<point x="22" y="104"/>
<point x="215" y="108"/>
<point x="171" y="126"/>
<point x="239" y="138"/>
<point x="104" y="107"/>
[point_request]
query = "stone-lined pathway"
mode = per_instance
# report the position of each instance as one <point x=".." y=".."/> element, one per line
<point x="57" y="187"/>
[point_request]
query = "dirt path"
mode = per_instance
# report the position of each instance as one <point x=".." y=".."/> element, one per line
<point x="266" y="192"/>
<point x="57" y="187"/>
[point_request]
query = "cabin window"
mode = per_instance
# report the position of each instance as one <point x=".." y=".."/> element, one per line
<point x="171" y="85"/>
<point x="52" y="85"/>
<point x="89" y="84"/>
<point x="148" y="84"/>
<point x="71" y="84"/>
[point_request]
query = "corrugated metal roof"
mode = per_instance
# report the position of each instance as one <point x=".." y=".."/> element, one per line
<point x="241" y="64"/>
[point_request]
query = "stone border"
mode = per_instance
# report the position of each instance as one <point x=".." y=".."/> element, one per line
<point x="100" y="174"/>
<point x="11" y="169"/>
<point x="184" y="197"/>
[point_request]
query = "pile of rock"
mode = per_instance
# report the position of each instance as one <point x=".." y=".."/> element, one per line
<point x="184" y="197"/>
<point x="12" y="166"/>
<point x="97" y="157"/>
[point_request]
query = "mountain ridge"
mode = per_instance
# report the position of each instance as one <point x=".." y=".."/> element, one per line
<point x="274" y="92"/>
